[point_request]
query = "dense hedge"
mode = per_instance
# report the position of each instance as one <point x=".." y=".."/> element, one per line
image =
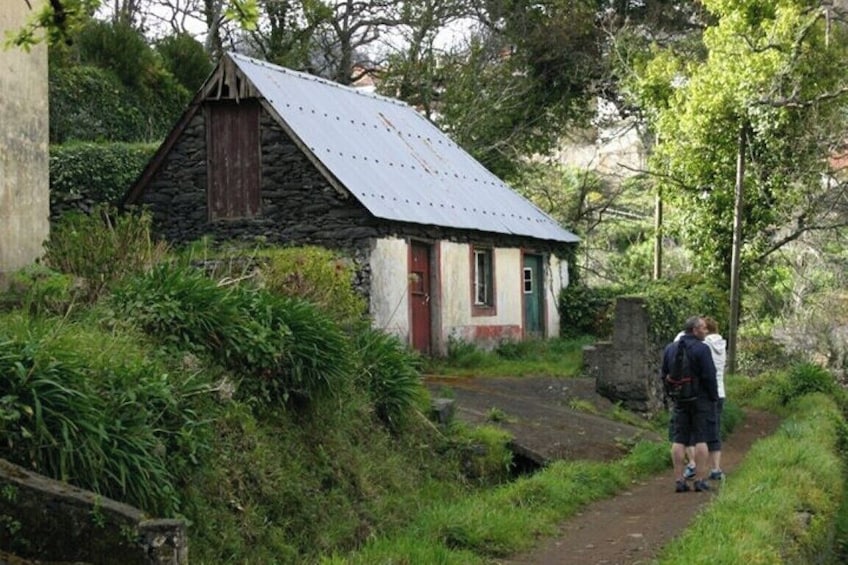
<point x="590" y="310"/>
<point x="85" y="174"/>
<point x="88" y="103"/>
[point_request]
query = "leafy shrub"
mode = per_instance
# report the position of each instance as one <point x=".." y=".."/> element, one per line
<point x="110" y="85"/>
<point x="286" y="347"/>
<point x="464" y="354"/>
<point x="318" y="275"/>
<point x="670" y="302"/>
<point x="186" y="59"/>
<point x="802" y="379"/>
<point x="102" y="248"/>
<point x="587" y="310"/>
<point x="390" y="373"/>
<point x="758" y="354"/>
<point x="84" y="174"/>
<point x="39" y="290"/>
<point x="116" y="426"/>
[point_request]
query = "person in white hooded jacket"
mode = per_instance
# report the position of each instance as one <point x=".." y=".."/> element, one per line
<point x="718" y="349"/>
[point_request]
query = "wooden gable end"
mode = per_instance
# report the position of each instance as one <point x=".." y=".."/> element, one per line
<point x="234" y="167"/>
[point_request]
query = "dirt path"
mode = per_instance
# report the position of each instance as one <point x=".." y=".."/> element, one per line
<point x="630" y="529"/>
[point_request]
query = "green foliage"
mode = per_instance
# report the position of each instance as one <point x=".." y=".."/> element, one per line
<point x="763" y="516"/>
<point x="767" y="77"/>
<point x="185" y="58"/>
<point x="315" y="274"/>
<point x="390" y="372"/>
<point x="585" y="310"/>
<point x="109" y="422"/>
<point x="806" y="378"/>
<point x="92" y="172"/>
<point x="670" y="302"/>
<point x="286" y="346"/>
<point x="116" y="46"/>
<point x="102" y="247"/>
<point x="110" y="85"/>
<point x="758" y="354"/>
<point x="39" y="290"/>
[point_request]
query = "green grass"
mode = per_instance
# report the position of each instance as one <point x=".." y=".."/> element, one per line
<point x="765" y="517"/>
<point x="500" y="522"/>
<point x="543" y="358"/>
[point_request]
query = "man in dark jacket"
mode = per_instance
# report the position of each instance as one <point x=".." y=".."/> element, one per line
<point x="691" y="419"/>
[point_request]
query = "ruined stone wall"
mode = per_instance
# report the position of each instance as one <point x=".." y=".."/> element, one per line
<point x="24" y="138"/>
<point x="626" y="369"/>
<point x="51" y="521"/>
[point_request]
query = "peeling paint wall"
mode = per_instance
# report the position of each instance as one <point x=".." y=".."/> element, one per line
<point x="457" y="319"/>
<point x="389" y="262"/>
<point x="24" y="138"/>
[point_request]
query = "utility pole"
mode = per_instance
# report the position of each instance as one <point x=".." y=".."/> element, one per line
<point x="658" y="235"/>
<point x="738" y="209"/>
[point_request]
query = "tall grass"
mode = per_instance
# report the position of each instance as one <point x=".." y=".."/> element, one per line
<point x="550" y="358"/>
<point x="117" y="428"/>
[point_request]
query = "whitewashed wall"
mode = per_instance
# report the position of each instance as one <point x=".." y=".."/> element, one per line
<point x="389" y="286"/>
<point x="389" y="264"/>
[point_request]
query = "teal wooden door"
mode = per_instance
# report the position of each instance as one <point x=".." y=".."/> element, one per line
<point x="532" y="287"/>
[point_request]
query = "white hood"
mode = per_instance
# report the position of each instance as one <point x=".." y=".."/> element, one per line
<point x="718" y="348"/>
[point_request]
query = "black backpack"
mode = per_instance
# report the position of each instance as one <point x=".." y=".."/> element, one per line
<point x="681" y="385"/>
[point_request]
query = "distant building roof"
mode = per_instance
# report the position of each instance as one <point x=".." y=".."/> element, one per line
<point x="397" y="163"/>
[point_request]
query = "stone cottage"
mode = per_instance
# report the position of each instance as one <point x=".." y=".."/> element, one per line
<point x="444" y="248"/>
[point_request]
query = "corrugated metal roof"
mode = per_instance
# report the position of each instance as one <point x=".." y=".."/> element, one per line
<point x="396" y="162"/>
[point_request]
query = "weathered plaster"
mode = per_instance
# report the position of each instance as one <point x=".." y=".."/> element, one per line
<point x="24" y="138"/>
<point x="389" y="296"/>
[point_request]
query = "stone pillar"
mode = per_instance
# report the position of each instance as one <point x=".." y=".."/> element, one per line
<point x="24" y="139"/>
<point x="627" y="369"/>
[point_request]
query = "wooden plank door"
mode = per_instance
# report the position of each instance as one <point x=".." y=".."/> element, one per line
<point x="533" y="291"/>
<point x="419" y="297"/>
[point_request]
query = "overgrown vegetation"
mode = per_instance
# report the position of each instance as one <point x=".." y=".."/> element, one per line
<point x="259" y="408"/>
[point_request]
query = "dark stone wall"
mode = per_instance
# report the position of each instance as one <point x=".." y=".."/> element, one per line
<point x="54" y="522"/>
<point x="299" y="206"/>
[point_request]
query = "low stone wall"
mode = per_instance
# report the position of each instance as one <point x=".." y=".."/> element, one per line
<point x="626" y="369"/>
<point x="48" y="520"/>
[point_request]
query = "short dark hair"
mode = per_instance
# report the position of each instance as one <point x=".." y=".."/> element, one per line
<point x="692" y="323"/>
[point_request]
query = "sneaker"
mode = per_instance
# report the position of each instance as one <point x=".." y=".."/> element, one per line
<point x="681" y="486"/>
<point x="689" y="472"/>
<point x="701" y="486"/>
<point x="716" y="475"/>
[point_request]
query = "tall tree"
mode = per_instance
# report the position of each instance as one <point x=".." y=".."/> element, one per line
<point x="770" y="71"/>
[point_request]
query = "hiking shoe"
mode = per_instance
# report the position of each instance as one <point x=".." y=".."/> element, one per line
<point x="701" y="486"/>
<point x="716" y="475"/>
<point x="681" y="486"/>
<point x="689" y="472"/>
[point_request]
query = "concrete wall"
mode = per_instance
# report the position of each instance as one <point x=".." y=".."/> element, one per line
<point x="389" y="262"/>
<point x="24" y="138"/>
<point x="626" y="369"/>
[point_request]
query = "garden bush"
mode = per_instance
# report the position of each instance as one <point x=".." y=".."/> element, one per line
<point x="83" y="175"/>
<point x="102" y="247"/>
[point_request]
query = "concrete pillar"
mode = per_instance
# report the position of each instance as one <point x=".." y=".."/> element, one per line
<point x="24" y="141"/>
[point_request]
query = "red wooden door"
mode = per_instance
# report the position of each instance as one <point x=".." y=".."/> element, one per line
<point x="419" y="296"/>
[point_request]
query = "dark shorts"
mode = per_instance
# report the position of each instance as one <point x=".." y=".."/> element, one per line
<point x="694" y="422"/>
<point x="714" y="442"/>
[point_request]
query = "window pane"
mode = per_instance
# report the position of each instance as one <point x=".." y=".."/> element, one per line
<point x="528" y="281"/>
